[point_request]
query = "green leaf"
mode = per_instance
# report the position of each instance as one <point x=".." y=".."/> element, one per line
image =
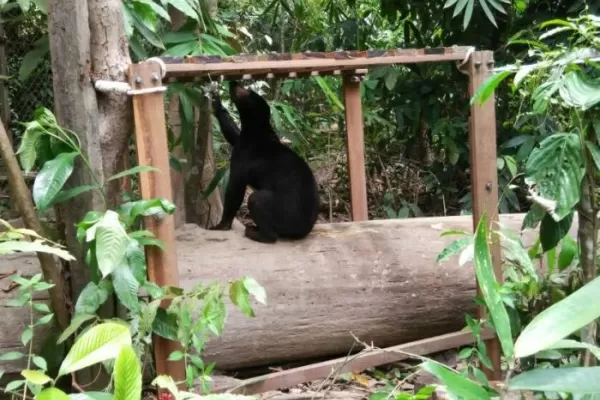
<point x="185" y="7"/>
<point x="577" y="90"/>
<point x="468" y="13"/>
<point x="11" y="356"/>
<point x="76" y="322"/>
<point x="28" y="148"/>
<point x="568" y="380"/>
<point x="51" y="179"/>
<point x="594" y="152"/>
<point x="73" y="192"/>
<point x="454" y="248"/>
<point x="36" y="377"/>
<point x="176" y="356"/>
<point x="126" y="288"/>
<point x="560" y="320"/>
<point x="552" y="232"/>
<point x="255" y="289"/>
<point x="44" y="320"/>
<point x="14" y="385"/>
<point x="484" y="271"/>
<point x="52" y="394"/>
<point x="111" y="243"/>
<point x="26" y="335"/>
<point x="12" y="246"/>
<point x="485" y="90"/>
<point x="568" y="251"/>
<point x="165" y="325"/>
<point x="449" y="3"/>
<point x="556" y="167"/>
<point x="240" y="296"/>
<point x="33" y="58"/>
<point x="455" y="383"/>
<point x="90" y="299"/>
<point x="91" y="396"/>
<point x="40" y="363"/>
<point x="127" y="375"/>
<point x="133" y="171"/>
<point x="573" y="344"/>
<point x="24" y="4"/>
<point x="516" y="254"/>
<point x="100" y="343"/>
<point x="391" y="78"/>
<point x="42" y="5"/>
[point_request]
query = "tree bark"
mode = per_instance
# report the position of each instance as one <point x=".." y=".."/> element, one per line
<point x="174" y="120"/>
<point x="77" y="109"/>
<point x="110" y="60"/>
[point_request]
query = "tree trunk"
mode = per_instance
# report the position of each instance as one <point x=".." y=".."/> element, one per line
<point x="174" y="121"/>
<point x="110" y="60"/>
<point x="87" y="42"/>
<point x="201" y="162"/>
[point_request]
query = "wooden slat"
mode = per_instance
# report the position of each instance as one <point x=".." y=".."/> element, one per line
<point x="179" y="67"/>
<point x="152" y="149"/>
<point x="359" y="362"/>
<point x="270" y="75"/>
<point x="356" y="148"/>
<point x="484" y="173"/>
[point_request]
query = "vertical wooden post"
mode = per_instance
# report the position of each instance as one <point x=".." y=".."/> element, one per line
<point x="356" y="148"/>
<point x="484" y="174"/>
<point x="151" y="144"/>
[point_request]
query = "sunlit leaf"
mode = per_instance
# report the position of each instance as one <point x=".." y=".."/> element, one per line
<point x="484" y="270"/>
<point x="100" y="343"/>
<point x="127" y="375"/>
<point x="455" y="383"/>
<point x="567" y="380"/>
<point x="559" y="320"/>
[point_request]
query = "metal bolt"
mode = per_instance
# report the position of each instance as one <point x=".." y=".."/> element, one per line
<point x="154" y="78"/>
<point x="477" y="64"/>
<point x="138" y="80"/>
<point x="488" y="186"/>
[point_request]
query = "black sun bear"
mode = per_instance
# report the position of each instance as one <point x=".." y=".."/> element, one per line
<point x="285" y="201"/>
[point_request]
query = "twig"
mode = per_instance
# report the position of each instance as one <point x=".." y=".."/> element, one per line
<point x="51" y="270"/>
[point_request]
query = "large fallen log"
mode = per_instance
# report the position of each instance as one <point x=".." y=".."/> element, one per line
<point x="378" y="280"/>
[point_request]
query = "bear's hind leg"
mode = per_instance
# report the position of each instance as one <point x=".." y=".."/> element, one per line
<point x="261" y="205"/>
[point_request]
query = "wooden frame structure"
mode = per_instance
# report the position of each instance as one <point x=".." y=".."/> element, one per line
<point x="151" y="138"/>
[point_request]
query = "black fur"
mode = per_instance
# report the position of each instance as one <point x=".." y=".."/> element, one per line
<point x="285" y="202"/>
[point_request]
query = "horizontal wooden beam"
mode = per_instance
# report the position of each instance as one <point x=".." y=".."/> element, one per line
<point x="302" y="63"/>
<point x="356" y="363"/>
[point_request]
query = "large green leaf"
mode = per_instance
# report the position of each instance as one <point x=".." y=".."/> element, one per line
<point x="127" y="375"/>
<point x="573" y="344"/>
<point x="90" y="299"/>
<point x="52" y="394"/>
<point x="484" y="270"/>
<point x="126" y="287"/>
<point x="485" y="90"/>
<point x="33" y="58"/>
<point x="552" y="232"/>
<point x="567" y="380"/>
<point x="91" y="396"/>
<point x="557" y="168"/>
<point x="111" y="242"/>
<point x="51" y="179"/>
<point x="12" y="246"/>
<point x="455" y="383"/>
<point x="579" y="91"/>
<point x="185" y="7"/>
<point x="560" y="320"/>
<point x="100" y="343"/>
<point x="133" y="171"/>
<point x="28" y="148"/>
<point x="76" y="322"/>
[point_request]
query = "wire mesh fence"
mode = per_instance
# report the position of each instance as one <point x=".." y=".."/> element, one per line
<point x="27" y="82"/>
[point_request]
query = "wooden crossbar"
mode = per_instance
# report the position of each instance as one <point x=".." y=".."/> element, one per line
<point x="275" y="64"/>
